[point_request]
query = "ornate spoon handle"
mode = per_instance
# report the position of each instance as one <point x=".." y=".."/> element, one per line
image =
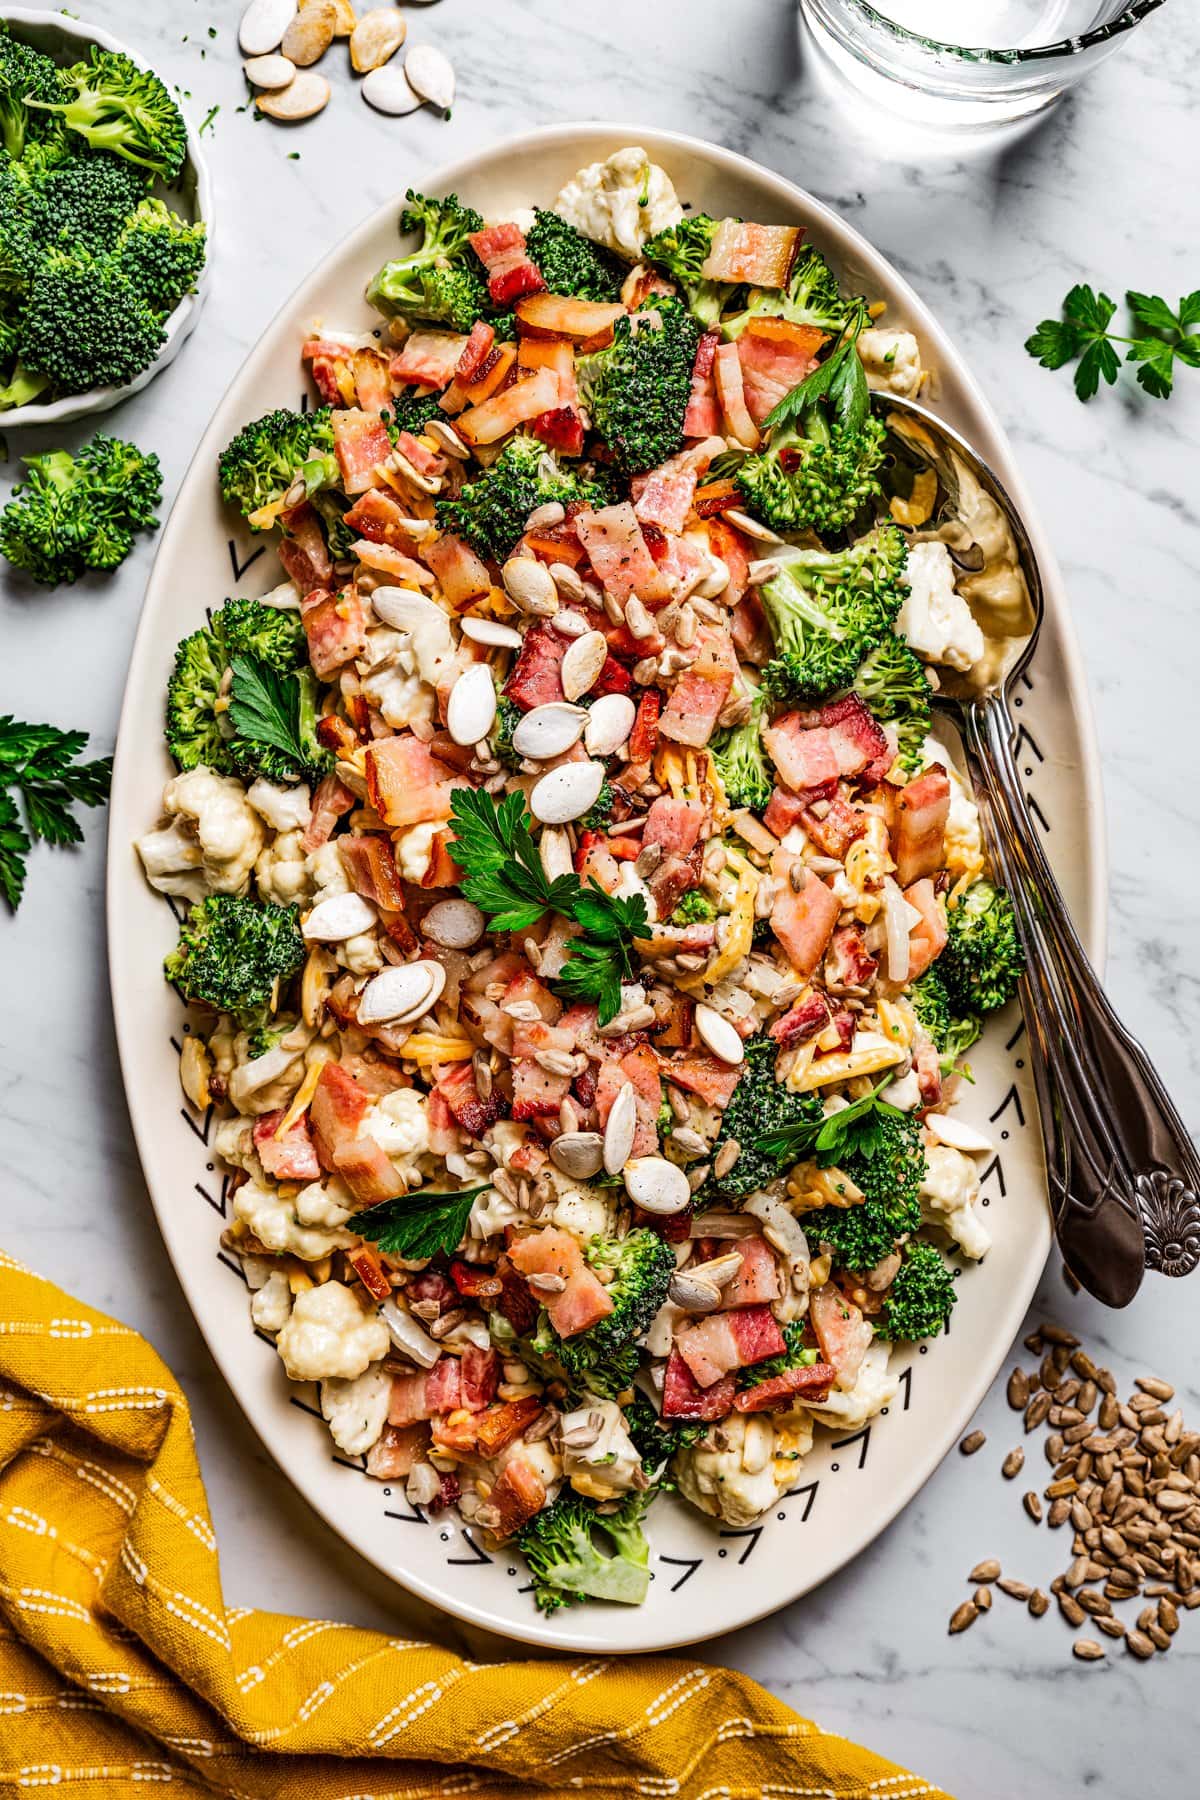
<point x="1123" y="1174"/>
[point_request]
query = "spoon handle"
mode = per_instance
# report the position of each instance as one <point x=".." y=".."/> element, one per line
<point x="1123" y="1174"/>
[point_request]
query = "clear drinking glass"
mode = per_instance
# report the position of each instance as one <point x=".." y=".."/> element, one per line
<point x="958" y="63"/>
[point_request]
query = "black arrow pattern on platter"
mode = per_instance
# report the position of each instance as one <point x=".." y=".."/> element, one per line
<point x="239" y="569"/>
<point x="809" y="1490"/>
<point x="688" y="1563"/>
<point x="1037" y="813"/>
<point x="477" y="1556"/>
<point x="862" y="1437"/>
<point x="1026" y="737"/>
<point x="412" y="1518"/>
<point x="1012" y="1098"/>
<point x="754" y="1533"/>
<point x="237" y="1270"/>
<point x="314" y="1412"/>
<point x="218" y="1206"/>
<point x="996" y="1168"/>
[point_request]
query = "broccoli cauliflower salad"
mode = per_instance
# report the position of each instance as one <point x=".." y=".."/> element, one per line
<point x="584" y="928"/>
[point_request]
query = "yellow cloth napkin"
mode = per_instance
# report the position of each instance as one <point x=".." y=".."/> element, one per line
<point x="122" y="1667"/>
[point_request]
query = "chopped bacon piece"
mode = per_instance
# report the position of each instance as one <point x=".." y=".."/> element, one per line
<point x="443" y="1385"/>
<point x="536" y="679"/>
<point x="385" y="559"/>
<point x="331" y="800"/>
<point x="511" y="270"/>
<point x="783" y="811"/>
<point x="561" y="426"/>
<point x="701" y="691"/>
<point x="443" y="871"/>
<point x="757" y="1281"/>
<point x="502" y="1425"/>
<point x="475" y="1281"/>
<point x="371" y="865"/>
<point x="775" y="356"/>
<point x="703" y="1074"/>
<point x="927" y="1066"/>
<point x="641" y="1067"/>
<point x="619" y="555"/>
<point x="479" y="1372"/>
<point x="291" y="1157"/>
<point x="366" y="1171"/>
<point x="845" y="1024"/>
<point x="674" y="877"/>
<point x="703" y="416"/>
<point x="454" y="1433"/>
<point x="584" y="1300"/>
<point x="850" y="963"/>
<point x="729" y="1340"/>
<point x="663" y="496"/>
<point x="336" y="629"/>
<point x="683" y="563"/>
<point x="675" y="1032"/>
<point x="842" y="1332"/>
<point x="675" y="824"/>
<point x="803" y="922"/>
<point x="537" y="1094"/>
<point x="684" y="1398"/>
<point x="424" y="461"/>
<point x="643" y="739"/>
<point x="475" y="352"/>
<point x="793" y="1387"/>
<point x="364" y="1259"/>
<point x="406" y="784"/>
<point x="519" y="1492"/>
<point x="325" y="359"/>
<point x="928" y="939"/>
<point x="919" y="833"/>
<point x="380" y="519"/>
<point x="361" y="443"/>
<point x="408" y="1402"/>
<point x="842" y="739"/>
<point x="836" y="829"/>
<point x="396" y="1451"/>
<point x="761" y="255"/>
<point x="456" y="1085"/>
<point x="338" y="1108"/>
<point x="517" y="1304"/>
<point x="560" y="315"/>
<point x="461" y="573"/>
<point x="731" y="392"/>
<point x="512" y="406"/>
<point x="428" y="359"/>
<point x="493" y="375"/>
<point x="372" y="379"/>
<point x="716" y="497"/>
<point x="303" y="550"/>
<point x="614" y="678"/>
<point x="806" y="1019"/>
<point x="431" y="1284"/>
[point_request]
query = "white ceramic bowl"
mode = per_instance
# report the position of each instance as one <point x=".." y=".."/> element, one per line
<point x="68" y="40"/>
<point x="707" y="1578"/>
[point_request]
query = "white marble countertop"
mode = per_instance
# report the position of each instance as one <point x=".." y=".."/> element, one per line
<point x="993" y="234"/>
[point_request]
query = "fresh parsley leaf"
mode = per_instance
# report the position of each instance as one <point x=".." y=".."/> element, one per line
<point x="1099" y="359"/>
<point x="417" y="1226"/>
<point x="841" y="379"/>
<point x="1082" y="333"/>
<point x="828" y="1140"/>
<point x="1189" y="309"/>
<point x="38" y="761"/>
<point x="1055" y="343"/>
<point x="602" y="957"/>
<point x="1089" y="310"/>
<point x="1156" y="360"/>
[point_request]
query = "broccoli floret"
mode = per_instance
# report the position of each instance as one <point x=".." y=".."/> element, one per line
<point x="115" y="105"/>
<point x="21" y="388"/>
<point x="814" y="475"/>
<point x="983" y="959"/>
<point x="85" y="326"/>
<point x="161" y="255"/>
<point x="657" y="1439"/>
<point x="760" y="1104"/>
<point x="25" y="75"/>
<point x="681" y="251"/>
<point x="664" y="1124"/>
<point x="442" y="281"/>
<point x="604" y="1359"/>
<point x="796" y="1355"/>
<point x="575" y="1552"/>
<point x="741" y="762"/>
<point x="920" y="1299"/>
<point x="597" y="816"/>
<point x="412" y="412"/>
<point x="930" y="1002"/>
<point x="827" y="609"/>
<point x="570" y="263"/>
<point x="259" y="465"/>
<point x="272" y="634"/>
<point x="961" y="1035"/>
<point x="887" y="1168"/>
<point x="240" y="628"/>
<point x="77" y="202"/>
<point x="895" y="686"/>
<point x="490" y="513"/>
<point x="812" y="297"/>
<point x="637" y="389"/>
<point x="74" y="513"/>
<point x="695" y="908"/>
<point x="508" y="717"/>
<point x="234" y="954"/>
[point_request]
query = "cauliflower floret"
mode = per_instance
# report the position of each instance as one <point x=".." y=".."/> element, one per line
<point x="174" y="861"/>
<point x="271" y="1306"/>
<point x="949" y="1189"/>
<point x="399" y="1123"/>
<point x="328" y="1207"/>
<point x="329" y="1336"/>
<point x="228" y="829"/>
<point x="892" y="360"/>
<point x="491" y="1215"/>
<point x="603" y="1464"/>
<point x="391" y="681"/>
<point x="361" y="954"/>
<point x="275" y="1224"/>
<point x="414" y="851"/>
<point x="282" y="870"/>
<point x="745" y="1465"/>
<point x="234" y="1144"/>
<point x="620" y="202"/>
<point x="327" y="871"/>
<point x="356" y="1410"/>
<point x="284" y="808"/>
<point x="260" y="1084"/>
<point x="874" y="1388"/>
<point x="935" y="620"/>
<point x="584" y="1213"/>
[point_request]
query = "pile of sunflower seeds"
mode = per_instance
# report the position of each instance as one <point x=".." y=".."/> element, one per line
<point x="1125" y="1475"/>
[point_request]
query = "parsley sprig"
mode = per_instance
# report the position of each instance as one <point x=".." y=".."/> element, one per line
<point x="38" y="762"/>
<point x="1083" y="333"/>
<point x="840" y="379"/>
<point x="503" y="875"/>
<point x="418" y="1225"/>
<point x="827" y="1141"/>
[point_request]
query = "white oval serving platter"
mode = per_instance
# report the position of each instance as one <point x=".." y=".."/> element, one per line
<point x="707" y="1578"/>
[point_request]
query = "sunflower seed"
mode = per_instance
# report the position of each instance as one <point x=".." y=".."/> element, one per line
<point x="1155" y="1386"/>
<point x="1037" y="1410"/>
<point x="1139" y="1644"/>
<point x="1087" y="1650"/>
<point x="431" y="74"/>
<point x="983" y="1598"/>
<point x="1018" y="1390"/>
<point x="1013" y="1463"/>
<point x="637" y="619"/>
<point x="726" y="1156"/>
<point x="1158" y="1637"/>
<point x="376" y="37"/>
<point x="1071" y="1610"/>
<point x="569" y="583"/>
<point x="988" y="1570"/>
<point x="1038" y="1603"/>
<point x="963" y="1616"/>
<point x="1032" y="1505"/>
<point x="1017" y="1590"/>
<point x="547" y="1284"/>
<point x="974" y="1440"/>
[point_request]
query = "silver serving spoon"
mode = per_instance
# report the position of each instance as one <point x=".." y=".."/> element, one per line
<point x="1123" y="1175"/>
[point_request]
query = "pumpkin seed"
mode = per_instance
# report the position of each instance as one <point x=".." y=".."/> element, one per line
<point x="529" y="585"/>
<point x="471" y="708"/>
<point x="337" y="918"/>
<point x="567" y="792"/>
<point x="376" y="37"/>
<point x="269" y="72"/>
<point x="389" y="91"/>
<point x="456" y="924"/>
<point x="609" y="723"/>
<point x="400" y="993"/>
<point x="657" y="1186"/>
<point x="304" y="97"/>
<point x="582" y="663"/>
<point x="719" y="1036"/>
<point x="620" y="1129"/>
<point x="549" y="730"/>
<point x="263" y="25"/>
<point x="491" y="631"/>
<point x="579" y="1154"/>
<point x="431" y="74"/>
<point x="310" y="33"/>
<point x="693" y="1293"/>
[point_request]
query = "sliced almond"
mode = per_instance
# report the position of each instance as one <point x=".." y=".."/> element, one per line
<point x="377" y="36"/>
<point x="945" y="1128"/>
<point x="566" y="793"/>
<point x="269" y="72"/>
<point x="610" y="721"/>
<point x="582" y="663"/>
<point x="656" y="1185"/>
<point x="263" y="25"/>
<point x="471" y="708"/>
<point x="338" y="918"/>
<point x="301" y="99"/>
<point x="554" y="853"/>
<point x="620" y="1129"/>
<point x="455" y="924"/>
<point x="719" y="1036"/>
<point x="549" y="730"/>
<point x="431" y="74"/>
<point x="388" y="90"/>
<point x="400" y="993"/>
<point x="491" y="631"/>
